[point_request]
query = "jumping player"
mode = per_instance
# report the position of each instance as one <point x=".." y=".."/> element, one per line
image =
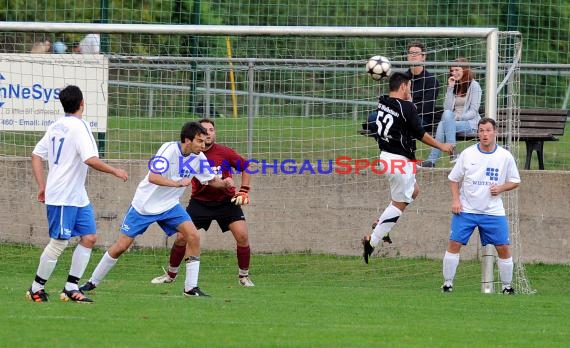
<point x="396" y="125"/>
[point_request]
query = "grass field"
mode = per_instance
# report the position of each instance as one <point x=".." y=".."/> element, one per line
<point x="300" y="300"/>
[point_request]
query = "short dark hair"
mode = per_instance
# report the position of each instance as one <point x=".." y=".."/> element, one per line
<point x="207" y="120"/>
<point x="70" y="98"/>
<point x="397" y="79"/>
<point x="190" y="130"/>
<point x="486" y="120"/>
<point x="418" y="45"/>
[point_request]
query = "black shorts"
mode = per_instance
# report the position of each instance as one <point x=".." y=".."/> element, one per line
<point x="203" y="213"/>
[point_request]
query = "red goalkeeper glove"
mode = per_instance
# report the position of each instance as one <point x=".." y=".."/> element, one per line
<point x="242" y="197"/>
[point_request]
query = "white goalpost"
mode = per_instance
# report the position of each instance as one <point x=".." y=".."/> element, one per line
<point x="277" y="94"/>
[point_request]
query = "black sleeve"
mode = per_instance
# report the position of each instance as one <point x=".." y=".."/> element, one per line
<point x="370" y="127"/>
<point x="414" y="122"/>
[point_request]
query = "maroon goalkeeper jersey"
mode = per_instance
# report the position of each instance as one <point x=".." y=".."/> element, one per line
<point x="224" y="161"/>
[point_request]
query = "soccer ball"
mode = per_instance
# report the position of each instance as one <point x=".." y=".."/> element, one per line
<point x="378" y="67"/>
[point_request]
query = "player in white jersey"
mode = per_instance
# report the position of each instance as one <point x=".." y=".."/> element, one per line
<point x="157" y="199"/>
<point x="482" y="172"/>
<point x="70" y="149"/>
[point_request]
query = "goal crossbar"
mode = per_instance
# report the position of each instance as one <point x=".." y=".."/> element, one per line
<point x="241" y="30"/>
<point x="491" y="35"/>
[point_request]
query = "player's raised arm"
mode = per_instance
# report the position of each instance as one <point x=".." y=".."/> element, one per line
<point x="97" y="164"/>
<point x="160" y="180"/>
<point x="429" y="140"/>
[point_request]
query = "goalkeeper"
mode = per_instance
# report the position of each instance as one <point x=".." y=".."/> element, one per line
<point x="208" y="203"/>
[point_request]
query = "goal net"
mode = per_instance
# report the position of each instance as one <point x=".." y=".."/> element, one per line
<point x="290" y="98"/>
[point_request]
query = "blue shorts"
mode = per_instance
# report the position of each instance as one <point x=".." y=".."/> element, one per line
<point x="135" y="223"/>
<point x="65" y="221"/>
<point x="492" y="229"/>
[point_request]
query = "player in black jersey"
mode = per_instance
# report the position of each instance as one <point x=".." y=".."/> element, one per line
<point x="395" y="126"/>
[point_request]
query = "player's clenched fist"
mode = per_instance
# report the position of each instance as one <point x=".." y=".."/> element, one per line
<point x="121" y="174"/>
<point x="242" y="197"/>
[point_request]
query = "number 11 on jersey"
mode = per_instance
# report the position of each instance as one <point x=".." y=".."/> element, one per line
<point x="59" y="146"/>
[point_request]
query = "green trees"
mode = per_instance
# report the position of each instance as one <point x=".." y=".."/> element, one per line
<point x="544" y="26"/>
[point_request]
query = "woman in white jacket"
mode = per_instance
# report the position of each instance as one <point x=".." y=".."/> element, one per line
<point x="461" y="109"/>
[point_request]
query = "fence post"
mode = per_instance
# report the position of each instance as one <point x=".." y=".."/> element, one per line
<point x="487" y="263"/>
<point x="151" y="103"/>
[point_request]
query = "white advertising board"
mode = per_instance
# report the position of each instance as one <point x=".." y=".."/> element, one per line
<point x="30" y="86"/>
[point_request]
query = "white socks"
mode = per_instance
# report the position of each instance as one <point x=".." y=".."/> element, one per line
<point x="104" y="266"/>
<point x="385" y="224"/>
<point x="79" y="262"/>
<point x="450" y="262"/>
<point x="192" y="271"/>
<point x="45" y="269"/>
<point x="505" y="271"/>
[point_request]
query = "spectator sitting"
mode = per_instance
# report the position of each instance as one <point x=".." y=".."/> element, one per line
<point x="91" y="44"/>
<point x="461" y="109"/>
<point x="59" y="47"/>
<point x="41" y="47"/>
<point x="75" y="48"/>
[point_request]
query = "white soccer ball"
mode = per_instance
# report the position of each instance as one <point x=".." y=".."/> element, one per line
<point x="378" y="67"/>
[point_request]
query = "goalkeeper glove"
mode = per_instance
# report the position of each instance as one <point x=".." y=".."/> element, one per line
<point x="242" y="197"/>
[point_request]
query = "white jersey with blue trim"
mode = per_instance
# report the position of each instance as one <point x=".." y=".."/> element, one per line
<point x="477" y="171"/>
<point x="66" y="145"/>
<point x="152" y="199"/>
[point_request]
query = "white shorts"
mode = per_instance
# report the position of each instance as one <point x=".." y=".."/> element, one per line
<point x="401" y="174"/>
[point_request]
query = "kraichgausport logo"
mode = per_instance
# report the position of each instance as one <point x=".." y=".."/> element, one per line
<point x="339" y="165"/>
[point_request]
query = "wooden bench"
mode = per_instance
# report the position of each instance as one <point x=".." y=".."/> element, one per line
<point x="536" y="126"/>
